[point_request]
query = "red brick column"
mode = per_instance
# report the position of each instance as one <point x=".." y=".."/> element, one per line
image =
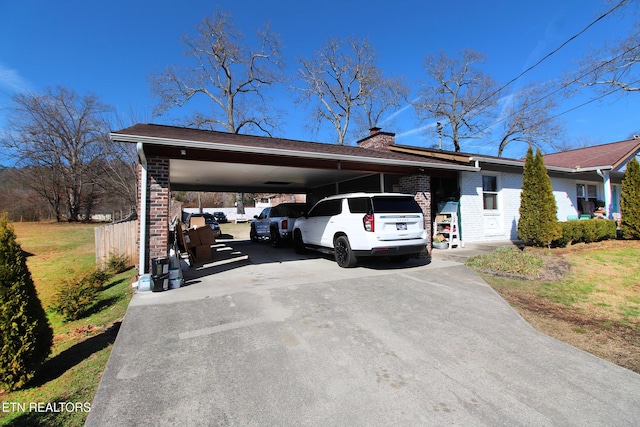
<point x="420" y="185"/>
<point x="158" y="202"/>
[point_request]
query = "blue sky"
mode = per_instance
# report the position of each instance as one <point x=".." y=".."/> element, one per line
<point x="110" y="48"/>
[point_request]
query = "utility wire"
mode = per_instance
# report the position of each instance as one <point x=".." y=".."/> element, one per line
<point x="563" y="86"/>
<point x="547" y="56"/>
<point x="591" y="100"/>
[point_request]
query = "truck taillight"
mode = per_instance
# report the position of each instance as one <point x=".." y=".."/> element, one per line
<point x="369" y="222"/>
<point x="284" y="224"/>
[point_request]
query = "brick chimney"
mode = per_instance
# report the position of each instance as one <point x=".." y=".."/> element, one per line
<point x="377" y="140"/>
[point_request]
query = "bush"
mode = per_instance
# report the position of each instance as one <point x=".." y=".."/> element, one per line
<point x="538" y="223"/>
<point x="98" y="278"/>
<point x="630" y="201"/>
<point x="25" y="334"/>
<point x="74" y="299"/>
<point x="117" y="263"/>
<point x="586" y="231"/>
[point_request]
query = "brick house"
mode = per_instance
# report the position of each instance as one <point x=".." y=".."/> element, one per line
<point x="487" y="188"/>
<point x="177" y="159"/>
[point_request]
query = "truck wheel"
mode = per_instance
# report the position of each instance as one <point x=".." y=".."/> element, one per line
<point x="343" y="254"/>
<point x="276" y="240"/>
<point x="252" y="234"/>
<point x="298" y="244"/>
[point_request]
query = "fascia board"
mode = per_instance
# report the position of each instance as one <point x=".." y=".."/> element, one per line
<point x="278" y="151"/>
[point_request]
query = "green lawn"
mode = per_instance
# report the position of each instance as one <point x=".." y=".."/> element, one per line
<point x="587" y="295"/>
<point x="70" y="377"/>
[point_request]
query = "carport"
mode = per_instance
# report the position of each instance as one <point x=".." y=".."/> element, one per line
<point x="179" y="159"/>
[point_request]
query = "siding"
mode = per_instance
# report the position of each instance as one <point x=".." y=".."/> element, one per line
<point x="564" y="191"/>
<point x="478" y="225"/>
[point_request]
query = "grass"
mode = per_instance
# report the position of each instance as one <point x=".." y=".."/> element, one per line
<point x="59" y="252"/>
<point x="586" y="295"/>
<point x="509" y="260"/>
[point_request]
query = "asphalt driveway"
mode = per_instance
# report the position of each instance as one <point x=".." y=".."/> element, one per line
<point x="284" y="341"/>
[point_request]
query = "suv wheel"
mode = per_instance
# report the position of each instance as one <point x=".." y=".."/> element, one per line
<point x="274" y="235"/>
<point x="298" y="244"/>
<point x="343" y="253"/>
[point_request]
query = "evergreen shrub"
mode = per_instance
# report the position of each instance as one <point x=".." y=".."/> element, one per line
<point x="630" y="201"/>
<point x="76" y="298"/>
<point x="117" y="263"/>
<point x="538" y="223"/>
<point x="25" y="334"/>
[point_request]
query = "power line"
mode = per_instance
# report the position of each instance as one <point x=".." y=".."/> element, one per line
<point x="611" y="92"/>
<point x="563" y="86"/>
<point x="547" y="56"/>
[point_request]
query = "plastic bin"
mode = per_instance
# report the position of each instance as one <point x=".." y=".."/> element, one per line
<point x="144" y="282"/>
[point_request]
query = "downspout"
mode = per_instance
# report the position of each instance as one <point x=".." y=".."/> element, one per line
<point x="607" y="192"/>
<point x="142" y="260"/>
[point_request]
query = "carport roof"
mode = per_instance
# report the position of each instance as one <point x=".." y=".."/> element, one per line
<point x="209" y="160"/>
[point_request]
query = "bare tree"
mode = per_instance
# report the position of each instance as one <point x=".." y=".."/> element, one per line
<point x="55" y="136"/>
<point x="381" y="94"/>
<point x="457" y="94"/>
<point x="616" y="66"/>
<point x="341" y="82"/>
<point x="19" y="200"/>
<point x="527" y="118"/>
<point x="120" y="166"/>
<point x="233" y="77"/>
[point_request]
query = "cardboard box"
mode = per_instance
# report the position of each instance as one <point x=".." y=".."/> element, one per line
<point x="206" y="235"/>
<point x="191" y="239"/>
<point x="442" y="218"/>
<point x="197" y="222"/>
<point x="203" y="253"/>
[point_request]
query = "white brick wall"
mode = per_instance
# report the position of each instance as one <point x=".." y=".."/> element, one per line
<point x="478" y="225"/>
<point x="564" y="191"/>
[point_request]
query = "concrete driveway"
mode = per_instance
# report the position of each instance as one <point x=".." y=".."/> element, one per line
<point x="282" y="341"/>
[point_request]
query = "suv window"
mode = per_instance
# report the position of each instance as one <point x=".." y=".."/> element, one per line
<point x="385" y="204"/>
<point x="360" y="205"/>
<point x="327" y="208"/>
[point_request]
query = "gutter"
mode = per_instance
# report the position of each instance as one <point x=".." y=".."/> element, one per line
<point x="142" y="260"/>
<point x="279" y="152"/>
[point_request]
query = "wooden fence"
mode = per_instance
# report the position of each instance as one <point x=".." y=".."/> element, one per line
<point x="120" y="239"/>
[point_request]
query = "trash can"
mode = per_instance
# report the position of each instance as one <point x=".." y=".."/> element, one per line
<point x="159" y="274"/>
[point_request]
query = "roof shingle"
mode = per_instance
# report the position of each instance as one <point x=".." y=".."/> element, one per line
<point x="613" y="155"/>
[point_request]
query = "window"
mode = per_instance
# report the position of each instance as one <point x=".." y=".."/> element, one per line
<point x="327" y="208"/>
<point x="586" y="191"/>
<point x="490" y="192"/>
<point x="360" y="205"/>
<point x="586" y="195"/>
<point x="395" y="204"/>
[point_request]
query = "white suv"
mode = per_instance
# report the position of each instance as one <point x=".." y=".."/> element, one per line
<point x="363" y="224"/>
